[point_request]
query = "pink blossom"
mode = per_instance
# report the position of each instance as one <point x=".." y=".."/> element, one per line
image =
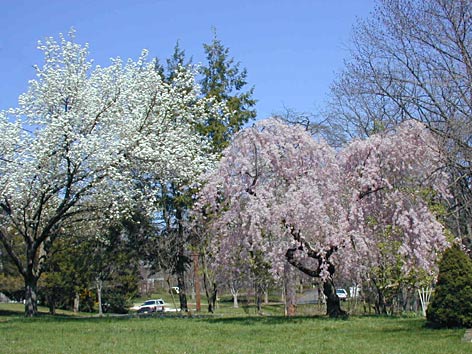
<point x="276" y="188"/>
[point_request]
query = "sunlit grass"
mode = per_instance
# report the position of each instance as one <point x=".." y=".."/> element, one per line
<point x="223" y="333"/>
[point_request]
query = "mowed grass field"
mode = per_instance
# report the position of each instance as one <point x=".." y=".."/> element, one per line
<point x="171" y="333"/>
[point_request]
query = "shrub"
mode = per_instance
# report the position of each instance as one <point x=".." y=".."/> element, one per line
<point x="451" y="304"/>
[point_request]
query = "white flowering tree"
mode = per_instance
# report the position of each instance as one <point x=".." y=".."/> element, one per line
<point x="81" y="136"/>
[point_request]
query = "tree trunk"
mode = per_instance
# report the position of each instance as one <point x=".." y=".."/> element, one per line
<point x="99" y="294"/>
<point x="51" y="304"/>
<point x="289" y="292"/>
<point x="235" y="300"/>
<point x="258" y="300"/>
<point x="76" y="302"/>
<point x="182" y="290"/>
<point x="171" y="291"/>
<point x="214" y="297"/>
<point x="210" y="293"/>
<point x="380" y="306"/>
<point x="234" y="289"/>
<point x="31" y="306"/>
<point x="333" y="305"/>
<point x="180" y="268"/>
<point x="211" y="296"/>
<point x="197" y="283"/>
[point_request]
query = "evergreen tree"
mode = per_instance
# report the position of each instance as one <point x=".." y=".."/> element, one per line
<point x="451" y="304"/>
<point x="224" y="80"/>
<point x="176" y="62"/>
<point x="169" y="251"/>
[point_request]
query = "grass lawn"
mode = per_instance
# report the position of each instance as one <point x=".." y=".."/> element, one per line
<point x="222" y="334"/>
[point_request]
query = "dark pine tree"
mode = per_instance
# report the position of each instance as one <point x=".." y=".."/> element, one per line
<point x="224" y="80"/>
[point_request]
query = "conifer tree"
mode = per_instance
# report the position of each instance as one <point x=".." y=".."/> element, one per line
<point x="451" y="304"/>
<point x="224" y="81"/>
<point x="221" y="82"/>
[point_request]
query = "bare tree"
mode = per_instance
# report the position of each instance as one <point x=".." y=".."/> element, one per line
<point x="315" y="124"/>
<point x="412" y="59"/>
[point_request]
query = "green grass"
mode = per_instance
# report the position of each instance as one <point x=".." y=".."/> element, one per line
<point x="222" y="334"/>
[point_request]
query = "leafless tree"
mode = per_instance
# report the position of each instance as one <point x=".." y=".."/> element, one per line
<point x="412" y="59"/>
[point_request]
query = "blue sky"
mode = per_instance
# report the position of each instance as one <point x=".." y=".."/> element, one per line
<point x="291" y="49"/>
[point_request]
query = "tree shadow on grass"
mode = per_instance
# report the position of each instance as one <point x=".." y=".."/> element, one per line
<point x="10" y="313"/>
<point x="16" y="313"/>
<point x="267" y="320"/>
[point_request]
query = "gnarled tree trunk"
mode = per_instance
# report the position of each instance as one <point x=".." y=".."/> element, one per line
<point x="333" y="304"/>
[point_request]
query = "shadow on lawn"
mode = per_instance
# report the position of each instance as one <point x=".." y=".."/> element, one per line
<point x="10" y="313"/>
<point x="266" y="320"/>
<point x="7" y="314"/>
<point x="17" y="313"/>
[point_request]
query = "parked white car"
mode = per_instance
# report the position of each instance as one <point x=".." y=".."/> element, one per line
<point x="151" y="306"/>
<point x="342" y="294"/>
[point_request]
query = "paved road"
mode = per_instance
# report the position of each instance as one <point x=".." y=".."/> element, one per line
<point x="308" y="297"/>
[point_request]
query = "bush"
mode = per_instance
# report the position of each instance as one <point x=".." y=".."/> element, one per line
<point x="451" y="304"/>
<point x="115" y="302"/>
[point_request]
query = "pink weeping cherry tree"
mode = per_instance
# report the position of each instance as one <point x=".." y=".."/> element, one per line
<point x="395" y="182"/>
<point x="284" y="197"/>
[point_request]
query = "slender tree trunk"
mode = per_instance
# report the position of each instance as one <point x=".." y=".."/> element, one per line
<point x="196" y="275"/>
<point x="258" y="298"/>
<point x="99" y="294"/>
<point x="52" y="308"/>
<point x="381" y="306"/>
<point x="180" y="269"/>
<point x="235" y="300"/>
<point x="181" y="285"/>
<point x="211" y="294"/>
<point x="214" y="296"/>
<point x="76" y="302"/>
<point x="207" y="293"/>
<point x="235" y="292"/>
<point x="51" y="303"/>
<point x="171" y="291"/>
<point x="31" y="306"/>
<point x="290" y="295"/>
<point x="211" y="291"/>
